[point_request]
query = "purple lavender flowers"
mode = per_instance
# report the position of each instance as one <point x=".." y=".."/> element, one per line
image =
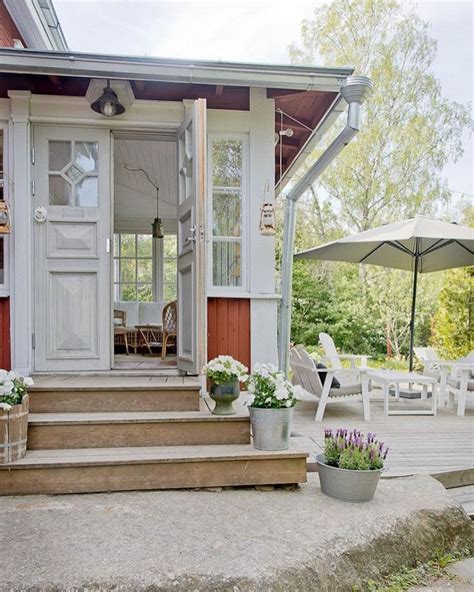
<point x="350" y="449"/>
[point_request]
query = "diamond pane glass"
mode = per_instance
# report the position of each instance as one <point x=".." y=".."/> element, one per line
<point x="226" y="214"/>
<point x="59" y="155"/>
<point x="86" y="156"/>
<point x="60" y="191"/>
<point x="74" y="173"/>
<point x="227" y="163"/>
<point x="226" y="263"/>
<point x="87" y="192"/>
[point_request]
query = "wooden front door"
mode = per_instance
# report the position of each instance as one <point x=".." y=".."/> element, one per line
<point x="191" y="243"/>
<point x="72" y="220"/>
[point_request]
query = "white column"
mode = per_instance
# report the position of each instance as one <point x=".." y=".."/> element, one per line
<point x="263" y="312"/>
<point x="20" y="198"/>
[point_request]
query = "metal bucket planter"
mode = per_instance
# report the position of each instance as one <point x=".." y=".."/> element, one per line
<point x="13" y="432"/>
<point x="271" y="428"/>
<point x="345" y="484"/>
<point x="224" y="395"/>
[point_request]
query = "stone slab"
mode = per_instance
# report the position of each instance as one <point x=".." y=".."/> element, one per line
<point x="225" y="540"/>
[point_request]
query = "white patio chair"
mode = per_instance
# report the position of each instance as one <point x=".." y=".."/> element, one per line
<point x="307" y="375"/>
<point x="460" y="384"/>
<point x="334" y="357"/>
<point x="429" y="359"/>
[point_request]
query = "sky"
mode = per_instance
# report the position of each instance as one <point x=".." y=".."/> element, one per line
<point x="260" y="31"/>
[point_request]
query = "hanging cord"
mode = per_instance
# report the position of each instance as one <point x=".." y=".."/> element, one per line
<point x="278" y="110"/>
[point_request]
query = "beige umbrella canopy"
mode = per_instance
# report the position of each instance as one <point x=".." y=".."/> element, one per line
<point x="419" y="245"/>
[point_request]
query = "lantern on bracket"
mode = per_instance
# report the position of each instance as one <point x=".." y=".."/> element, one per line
<point x="5" y="220"/>
<point x="267" y="214"/>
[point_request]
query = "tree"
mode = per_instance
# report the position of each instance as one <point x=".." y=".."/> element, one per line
<point x="392" y="170"/>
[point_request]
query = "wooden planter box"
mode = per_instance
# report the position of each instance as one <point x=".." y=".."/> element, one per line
<point x="13" y="431"/>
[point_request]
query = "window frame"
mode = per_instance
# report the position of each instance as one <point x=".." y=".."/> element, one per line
<point x="216" y="290"/>
<point x="118" y="257"/>
<point x="5" y="285"/>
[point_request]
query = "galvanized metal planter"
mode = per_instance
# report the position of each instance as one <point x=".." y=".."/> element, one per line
<point x="345" y="484"/>
<point x="271" y="428"/>
<point x="224" y="395"/>
<point x="13" y="432"/>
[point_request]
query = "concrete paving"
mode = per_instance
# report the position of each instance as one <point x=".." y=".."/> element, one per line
<point x="229" y="540"/>
<point x="460" y="578"/>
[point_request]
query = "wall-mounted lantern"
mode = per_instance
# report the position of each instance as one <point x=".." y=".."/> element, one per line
<point x="267" y="213"/>
<point x="5" y="220"/>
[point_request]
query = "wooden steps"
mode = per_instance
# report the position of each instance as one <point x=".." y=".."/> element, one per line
<point x="164" y="467"/>
<point x="90" y="394"/>
<point x="92" y="434"/>
<point x="110" y="430"/>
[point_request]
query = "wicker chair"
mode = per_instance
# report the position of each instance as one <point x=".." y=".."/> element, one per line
<point x="168" y="334"/>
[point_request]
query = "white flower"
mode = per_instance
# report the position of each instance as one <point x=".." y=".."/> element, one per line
<point x="250" y="400"/>
<point x="298" y="392"/>
<point x="5" y="406"/>
<point x="28" y="381"/>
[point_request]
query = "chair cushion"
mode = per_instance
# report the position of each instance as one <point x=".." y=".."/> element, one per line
<point x="457" y="383"/>
<point x="347" y="389"/>
<point x="150" y="313"/>
<point x="335" y="382"/>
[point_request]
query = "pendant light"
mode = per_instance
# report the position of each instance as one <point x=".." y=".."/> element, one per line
<point x="157" y="226"/>
<point x="108" y="104"/>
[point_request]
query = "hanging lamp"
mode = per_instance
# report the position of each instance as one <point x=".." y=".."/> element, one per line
<point x="108" y="104"/>
<point x="157" y="226"/>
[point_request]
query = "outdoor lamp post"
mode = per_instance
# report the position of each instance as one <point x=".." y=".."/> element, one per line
<point x="108" y="104"/>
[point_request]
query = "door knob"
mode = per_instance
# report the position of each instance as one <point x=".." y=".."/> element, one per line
<point x="40" y="214"/>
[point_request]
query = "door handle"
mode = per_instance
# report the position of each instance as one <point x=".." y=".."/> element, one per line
<point x="107" y="245"/>
<point x="192" y="238"/>
<point x="40" y="214"/>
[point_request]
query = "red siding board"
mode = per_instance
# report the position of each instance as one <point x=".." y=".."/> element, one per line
<point x="228" y="323"/>
<point x="5" y="333"/>
<point x="8" y="30"/>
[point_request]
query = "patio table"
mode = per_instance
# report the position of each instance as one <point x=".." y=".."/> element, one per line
<point x="386" y="378"/>
<point x="446" y="366"/>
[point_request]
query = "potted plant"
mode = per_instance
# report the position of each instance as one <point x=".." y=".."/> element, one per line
<point x="13" y="415"/>
<point x="351" y="465"/>
<point x="225" y="375"/>
<point x="271" y="402"/>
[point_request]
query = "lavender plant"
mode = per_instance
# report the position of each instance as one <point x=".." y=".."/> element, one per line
<point x="350" y="449"/>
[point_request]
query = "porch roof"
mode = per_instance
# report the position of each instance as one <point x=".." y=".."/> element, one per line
<point x="309" y="96"/>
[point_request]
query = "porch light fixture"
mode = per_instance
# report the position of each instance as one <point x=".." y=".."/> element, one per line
<point x="108" y="104"/>
<point x="5" y="220"/>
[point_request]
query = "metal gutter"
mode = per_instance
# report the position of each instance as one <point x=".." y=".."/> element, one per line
<point x="60" y="63"/>
<point x="355" y="91"/>
<point x="48" y="15"/>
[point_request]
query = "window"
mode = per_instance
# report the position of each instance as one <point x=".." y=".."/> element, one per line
<point x="227" y="209"/>
<point x="133" y="267"/>
<point x="169" y="267"/>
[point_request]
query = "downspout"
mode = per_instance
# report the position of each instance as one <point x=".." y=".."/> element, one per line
<point x="355" y="91"/>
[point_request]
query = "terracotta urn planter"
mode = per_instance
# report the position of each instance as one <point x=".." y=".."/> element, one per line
<point x="13" y="431"/>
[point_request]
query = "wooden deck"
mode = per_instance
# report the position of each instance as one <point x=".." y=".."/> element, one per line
<point x="418" y="443"/>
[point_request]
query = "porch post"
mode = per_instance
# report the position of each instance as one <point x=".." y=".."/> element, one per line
<point x="20" y="192"/>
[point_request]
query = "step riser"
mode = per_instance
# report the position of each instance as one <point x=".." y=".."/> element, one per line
<point x="112" y="435"/>
<point x="147" y="476"/>
<point x="77" y="401"/>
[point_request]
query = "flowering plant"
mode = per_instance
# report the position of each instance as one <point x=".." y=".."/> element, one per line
<point x="269" y="389"/>
<point x="224" y="369"/>
<point x="347" y="449"/>
<point x="12" y="388"/>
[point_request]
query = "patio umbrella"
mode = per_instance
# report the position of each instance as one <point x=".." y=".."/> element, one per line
<point x="419" y="245"/>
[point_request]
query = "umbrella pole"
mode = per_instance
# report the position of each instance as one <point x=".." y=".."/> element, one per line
<point x="413" y="307"/>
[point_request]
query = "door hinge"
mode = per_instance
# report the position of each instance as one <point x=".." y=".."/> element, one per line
<point x="33" y="187"/>
<point x="32" y="156"/>
<point x="33" y="340"/>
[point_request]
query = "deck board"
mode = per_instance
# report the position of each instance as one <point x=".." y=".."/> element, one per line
<point x="418" y="444"/>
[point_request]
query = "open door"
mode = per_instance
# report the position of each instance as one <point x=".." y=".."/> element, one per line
<point x="191" y="243"/>
<point x="72" y="226"/>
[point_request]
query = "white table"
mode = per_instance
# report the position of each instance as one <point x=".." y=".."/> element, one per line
<point x="387" y="378"/>
<point x="452" y="366"/>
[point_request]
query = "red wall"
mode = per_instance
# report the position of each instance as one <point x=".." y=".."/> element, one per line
<point x="228" y="328"/>
<point x="5" y="333"/>
<point x="8" y="30"/>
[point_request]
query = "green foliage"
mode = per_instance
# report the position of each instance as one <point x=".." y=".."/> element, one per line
<point x="453" y="322"/>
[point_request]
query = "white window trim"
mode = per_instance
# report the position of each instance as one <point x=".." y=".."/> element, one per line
<point x="5" y="286"/>
<point x="244" y="267"/>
